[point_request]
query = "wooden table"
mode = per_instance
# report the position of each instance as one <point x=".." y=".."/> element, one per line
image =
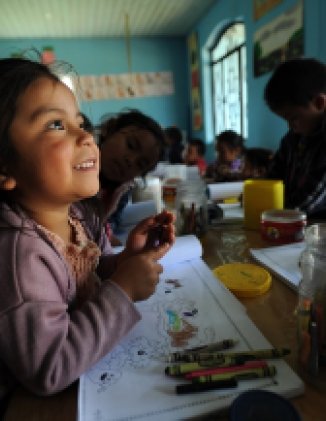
<point x="272" y="312"/>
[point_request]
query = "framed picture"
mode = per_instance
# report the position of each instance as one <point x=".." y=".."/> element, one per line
<point x="261" y="7"/>
<point x="279" y="40"/>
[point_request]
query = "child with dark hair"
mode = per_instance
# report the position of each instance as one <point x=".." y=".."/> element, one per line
<point x="66" y="299"/>
<point x="194" y="155"/>
<point x="257" y="162"/>
<point x="131" y="144"/>
<point x="230" y="160"/>
<point x="173" y="138"/>
<point x="297" y="93"/>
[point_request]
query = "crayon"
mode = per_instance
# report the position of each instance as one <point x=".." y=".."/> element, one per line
<point x="182" y="389"/>
<point x="217" y="346"/>
<point x="250" y="373"/>
<point x="221" y="370"/>
<point x="180" y="370"/>
<point x="157" y="235"/>
<point x="231" y="358"/>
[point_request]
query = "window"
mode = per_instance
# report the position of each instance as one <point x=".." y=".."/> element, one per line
<point x="228" y="61"/>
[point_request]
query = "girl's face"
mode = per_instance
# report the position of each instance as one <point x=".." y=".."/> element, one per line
<point x="227" y="154"/>
<point x="57" y="160"/>
<point x="128" y="153"/>
<point x="191" y="154"/>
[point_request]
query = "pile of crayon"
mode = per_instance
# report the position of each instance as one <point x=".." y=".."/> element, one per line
<point x="206" y="368"/>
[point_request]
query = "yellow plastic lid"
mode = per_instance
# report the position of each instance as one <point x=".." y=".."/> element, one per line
<point x="244" y="279"/>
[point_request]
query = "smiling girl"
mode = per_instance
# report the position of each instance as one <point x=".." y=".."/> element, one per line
<point x="59" y="311"/>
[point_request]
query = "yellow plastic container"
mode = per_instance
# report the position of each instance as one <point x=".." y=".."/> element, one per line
<point x="244" y="279"/>
<point x="259" y="196"/>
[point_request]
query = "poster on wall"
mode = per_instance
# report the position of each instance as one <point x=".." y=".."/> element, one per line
<point x="196" y="107"/>
<point x="261" y="7"/>
<point x="124" y="85"/>
<point x="279" y="40"/>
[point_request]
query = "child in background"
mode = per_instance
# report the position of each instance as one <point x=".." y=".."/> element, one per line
<point x="173" y="137"/>
<point x="257" y="162"/>
<point x="230" y="160"/>
<point x="59" y="311"/>
<point x="194" y="155"/>
<point x="131" y="144"/>
<point x="297" y="93"/>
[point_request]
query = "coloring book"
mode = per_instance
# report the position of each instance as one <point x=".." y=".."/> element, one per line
<point x="189" y="308"/>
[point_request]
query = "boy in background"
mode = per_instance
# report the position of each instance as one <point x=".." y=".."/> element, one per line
<point x="297" y="93"/>
<point x="195" y="155"/>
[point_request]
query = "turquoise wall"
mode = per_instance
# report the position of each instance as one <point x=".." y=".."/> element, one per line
<point x="264" y="128"/>
<point x="103" y="55"/>
<point x="100" y="56"/>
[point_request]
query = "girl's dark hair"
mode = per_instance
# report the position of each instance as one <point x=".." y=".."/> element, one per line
<point x="174" y="133"/>
<point x="16" y="74"/>
<point x="200" y="145"/>
<point x="295" y="82"/>
<point x="231" y="138"/>
<point x="113" y="124"/>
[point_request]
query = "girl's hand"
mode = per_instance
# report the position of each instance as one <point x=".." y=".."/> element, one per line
<point x="138" y="275"/>
<point x="151" y="234"/>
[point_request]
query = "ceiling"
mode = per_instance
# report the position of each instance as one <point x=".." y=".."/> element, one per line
<point x="99" y="18"/>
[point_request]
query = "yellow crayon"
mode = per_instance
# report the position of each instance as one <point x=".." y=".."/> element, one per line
<point x="179" y="370"/>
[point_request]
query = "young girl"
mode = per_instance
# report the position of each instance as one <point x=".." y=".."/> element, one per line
<point x="59" y="312"/>
<point x="230" y="161"/>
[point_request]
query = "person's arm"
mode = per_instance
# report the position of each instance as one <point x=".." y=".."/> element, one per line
<point x="315" y="203"/>
<point x="281" y="160"/>
<point x="45" y="345"/>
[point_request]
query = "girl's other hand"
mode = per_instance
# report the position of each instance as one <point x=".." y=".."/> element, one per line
<point x="138" y="275"/>
<point x="151" y="234"/>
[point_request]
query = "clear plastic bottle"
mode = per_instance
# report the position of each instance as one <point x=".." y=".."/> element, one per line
<point x="191" y="207"/>
<point x="311" y="310"/>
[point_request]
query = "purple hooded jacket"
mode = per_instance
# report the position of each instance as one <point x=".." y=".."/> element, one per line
<point x="46" y="344"/>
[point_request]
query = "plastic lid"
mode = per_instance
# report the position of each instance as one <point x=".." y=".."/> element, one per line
<point x="262" y="405"/>
<point x="244" y="279"/>
<point x="283" y="215"/>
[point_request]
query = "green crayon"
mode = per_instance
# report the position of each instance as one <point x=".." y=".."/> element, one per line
<point x="251" y="373"/>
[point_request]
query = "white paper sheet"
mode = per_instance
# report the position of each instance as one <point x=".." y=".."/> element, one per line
<point x="190" y="308"/>
<point x="282" y="261"/>
<point x="136" y="212"/>
<point x="218" y="191"/>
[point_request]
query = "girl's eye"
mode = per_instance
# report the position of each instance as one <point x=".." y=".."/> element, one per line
<point x="56" y="125"/>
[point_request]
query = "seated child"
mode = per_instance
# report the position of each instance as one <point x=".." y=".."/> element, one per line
<point x="131" y="144"/>
<point x="66" y="300"/>
<point x="194" y="155"/>
<point x="230" y="160"/>
<point x="174" y="145"/>
<point x="257" y="162"/>
<point x="297" y="93"/>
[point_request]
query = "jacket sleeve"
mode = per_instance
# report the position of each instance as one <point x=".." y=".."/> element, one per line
<point x="315" y="203"/>
<point x="279" y="161"/>
<point x="45" y="345"/>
